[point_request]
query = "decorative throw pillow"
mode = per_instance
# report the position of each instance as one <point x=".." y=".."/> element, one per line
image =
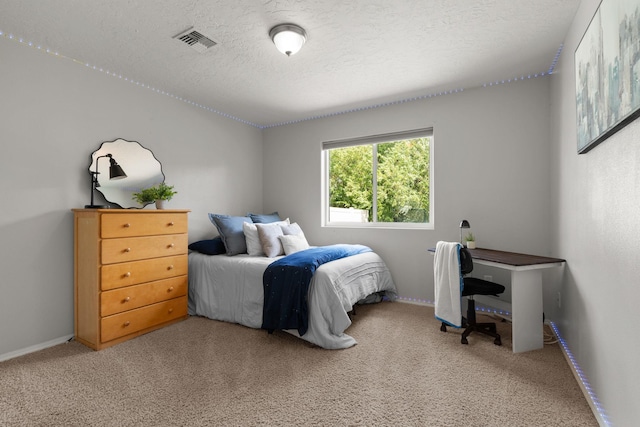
<point x="264" y="218"/>
<point x="268" y="234"/>
<point x="292" y="229"/>
<point x="213" y="246"/>
<point x="293" y="243"/>
<point x="230" y="230"/>
<point x="254" y="245"/>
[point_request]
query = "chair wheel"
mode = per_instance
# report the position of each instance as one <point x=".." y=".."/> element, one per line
<point x="497" y="341"/>
<point x="464" y="341"/>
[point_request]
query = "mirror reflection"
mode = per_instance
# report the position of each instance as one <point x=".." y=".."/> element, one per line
<point x="142" y="168"/>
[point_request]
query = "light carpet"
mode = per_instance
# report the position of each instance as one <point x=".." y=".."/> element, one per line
<point x="201" y="372"/>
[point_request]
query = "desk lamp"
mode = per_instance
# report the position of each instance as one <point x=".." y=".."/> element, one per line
<point x="115" y="172"/>
<point x="463" y="224"/>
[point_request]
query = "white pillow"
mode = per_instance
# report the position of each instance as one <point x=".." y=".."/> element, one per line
<point x="268" y="234"/>
<point x="254" y="246"/>
<point x="293" y="243"/>
<point x="291" y="229"/>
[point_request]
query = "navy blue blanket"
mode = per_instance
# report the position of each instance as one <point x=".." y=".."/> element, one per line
<point x="286" y="284"/>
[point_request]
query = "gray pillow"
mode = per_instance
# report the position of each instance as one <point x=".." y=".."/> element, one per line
<point x="230" y="230"/>
<point x="268" y="234"/>
<point x="291" y="229"/>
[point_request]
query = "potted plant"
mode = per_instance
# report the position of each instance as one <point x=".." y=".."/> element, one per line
<point x="158" y="194"/>
<point x="471" y="241"/>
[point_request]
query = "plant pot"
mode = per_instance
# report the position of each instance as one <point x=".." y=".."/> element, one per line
<point x="159" y="204"/>
<point x="471" y="244"/>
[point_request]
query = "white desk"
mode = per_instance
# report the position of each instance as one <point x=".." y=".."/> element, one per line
<point x="526" y="292"/>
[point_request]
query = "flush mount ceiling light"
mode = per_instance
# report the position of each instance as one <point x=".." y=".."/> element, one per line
<point x="288" y="38"/>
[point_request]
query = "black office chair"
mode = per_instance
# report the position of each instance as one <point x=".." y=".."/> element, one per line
<point x="474" y="286"/>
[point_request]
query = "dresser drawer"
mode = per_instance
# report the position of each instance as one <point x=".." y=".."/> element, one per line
<point x="131" y="321"/>
<point x="135" y="248"/>
<point x="132" y="273"/>
<point x="130" y="297"/>
<point x="142" y="224"/>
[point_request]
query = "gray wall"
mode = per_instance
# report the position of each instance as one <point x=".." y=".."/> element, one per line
<point x="491" y="167"/>
<point x="54" y="113"/>
<point x="504" y="160"/>
<point x="596" y="206"/>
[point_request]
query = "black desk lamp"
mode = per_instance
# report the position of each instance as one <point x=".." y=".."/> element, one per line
<point x="463" y="224"/>
<point x="115" y="172"/>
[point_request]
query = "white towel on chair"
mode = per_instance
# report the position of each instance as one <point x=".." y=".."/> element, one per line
<point x="448" y="283"/>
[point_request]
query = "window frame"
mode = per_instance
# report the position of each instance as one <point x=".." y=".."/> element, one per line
<point x="370" y="140"/>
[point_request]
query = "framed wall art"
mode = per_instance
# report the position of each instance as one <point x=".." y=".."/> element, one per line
<point x="607" y="67"/>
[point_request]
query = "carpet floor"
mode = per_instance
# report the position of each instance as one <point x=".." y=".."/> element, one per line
<point x="201" y="372"/>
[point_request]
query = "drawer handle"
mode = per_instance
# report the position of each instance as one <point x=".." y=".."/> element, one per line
<point x="127" y="249"/>
<point x="127" y="274"/>
<point x="127" y="299"/>
<point x="127" y="225"/>
<point x="170" y="267"/>
<point x="171" y="310"/>
<point x="127" y="323"/>
<point x="170" y="289"/>
<point x="171" y="245"/>
<point x="171" y="224"/>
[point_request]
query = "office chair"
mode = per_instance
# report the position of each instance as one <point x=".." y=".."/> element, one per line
<point x="474" y="286"/>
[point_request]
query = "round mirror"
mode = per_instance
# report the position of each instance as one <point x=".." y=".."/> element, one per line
<point x="140" y="166"/>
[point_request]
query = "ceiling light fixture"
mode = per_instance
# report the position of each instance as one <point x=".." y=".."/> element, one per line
<point x="288" y="38"/>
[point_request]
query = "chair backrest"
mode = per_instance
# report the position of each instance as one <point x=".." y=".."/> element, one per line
<point x="466" y="263"/>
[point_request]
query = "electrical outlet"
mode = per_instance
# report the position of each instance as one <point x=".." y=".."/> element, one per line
<point x="559" y="299"/>
<point x="488" y="278"/>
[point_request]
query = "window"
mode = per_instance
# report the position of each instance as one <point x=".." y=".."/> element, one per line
<point x="379" y="181"/>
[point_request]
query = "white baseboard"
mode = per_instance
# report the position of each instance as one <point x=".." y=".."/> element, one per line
<point x="581" y="379"/>
<point x="414" y="301"/>
<point x="34" y="348"/>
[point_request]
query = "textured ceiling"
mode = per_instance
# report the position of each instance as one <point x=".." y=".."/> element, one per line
<point x="359" y="53"/>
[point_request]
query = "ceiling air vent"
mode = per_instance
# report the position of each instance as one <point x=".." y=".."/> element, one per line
<point x="195" y="39"/>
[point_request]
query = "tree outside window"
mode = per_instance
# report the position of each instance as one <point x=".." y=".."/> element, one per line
<point x="380" y="182"/>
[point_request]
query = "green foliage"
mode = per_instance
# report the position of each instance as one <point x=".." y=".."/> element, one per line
<point x="402" y="180"/>
<point x="351" y="178"/>
<point x="470" y="237"/>
<point x="161" y="191"/>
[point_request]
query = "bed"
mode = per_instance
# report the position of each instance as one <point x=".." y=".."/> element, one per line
<point x="230" y="288"/>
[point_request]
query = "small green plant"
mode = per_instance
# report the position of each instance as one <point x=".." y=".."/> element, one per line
<point x="470" y="237"/>
<point x="164" y="192"/>
<point x="161" y="191"/>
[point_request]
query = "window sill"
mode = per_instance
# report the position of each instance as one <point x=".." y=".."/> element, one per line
<point x="381" y="225"/>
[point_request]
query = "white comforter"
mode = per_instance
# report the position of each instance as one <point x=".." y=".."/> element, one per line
<point x="230" y="289"/>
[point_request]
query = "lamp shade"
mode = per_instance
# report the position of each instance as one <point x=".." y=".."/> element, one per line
<point x="288" y="38"/>
<point x="115" y="171"/>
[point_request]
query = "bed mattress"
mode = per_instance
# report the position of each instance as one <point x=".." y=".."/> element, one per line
<point x="230" y="288"/>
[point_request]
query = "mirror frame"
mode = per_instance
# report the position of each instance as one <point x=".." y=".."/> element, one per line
<point x="141" y="172"/>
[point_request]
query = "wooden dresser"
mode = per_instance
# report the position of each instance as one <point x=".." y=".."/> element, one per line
<point x="130" y="273"/>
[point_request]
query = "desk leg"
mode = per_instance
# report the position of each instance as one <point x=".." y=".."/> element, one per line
<point x="526" y="310"/>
